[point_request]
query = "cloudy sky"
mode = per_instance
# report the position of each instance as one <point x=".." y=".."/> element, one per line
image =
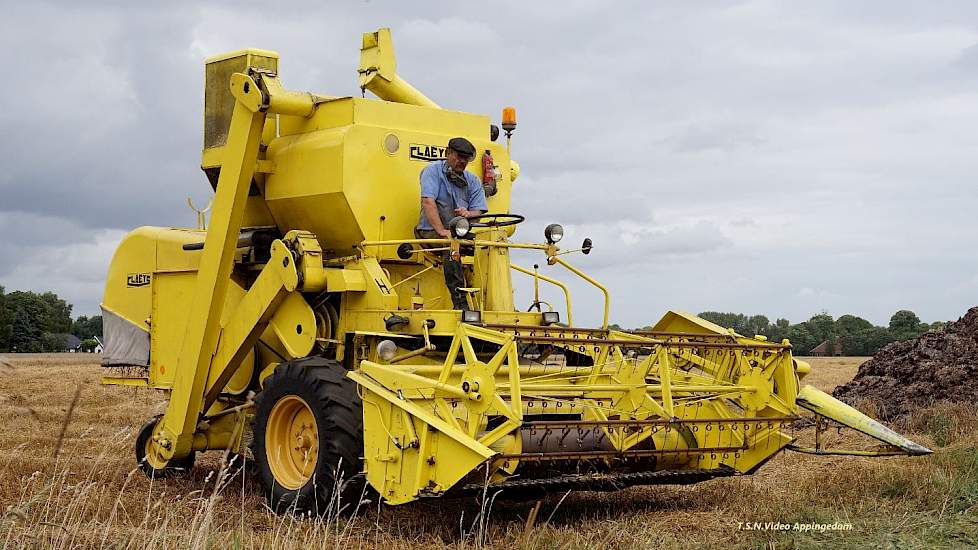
<point x="782" y="158"/>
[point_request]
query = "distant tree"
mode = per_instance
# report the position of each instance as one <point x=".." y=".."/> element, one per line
<point x="88" y="345"/>
<point x="86" y="328"/>
<point x="905" y="325"/>
<point x="850" y="324"/>
<point x="737" y="321"/>
<point x="821" y="327"/>
<point x="866" y="341"/>
<point x="54" y="342"/>
<point x="876" y="338"/>
<point x="725" y="320"/>
<point x="25" y="331"/>
<point x="776" y="331"/>
<point x="57" y="313"/>
<point x="801" y="338"/>
<point x="856" y="335"/>
<point x="854" y="343"/>
<point x="32" y="315"/>
<point x="936" y="325"/>
<point x="5" y="318"/>
<point x="757" y="324"/>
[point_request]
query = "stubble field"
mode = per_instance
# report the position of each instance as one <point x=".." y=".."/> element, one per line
<point x="68" y="480"/>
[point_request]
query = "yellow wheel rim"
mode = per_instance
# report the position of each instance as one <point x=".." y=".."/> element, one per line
<point x="292" y="442"/>
<point x="153" y="457"/>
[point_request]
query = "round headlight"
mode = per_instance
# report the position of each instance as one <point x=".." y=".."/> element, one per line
<point x="386" y="350"/>
<point x="554" y="232"/>
<point x="459" y="226"/>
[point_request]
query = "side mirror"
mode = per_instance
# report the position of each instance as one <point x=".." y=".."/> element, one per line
<point x="586" y="247"/>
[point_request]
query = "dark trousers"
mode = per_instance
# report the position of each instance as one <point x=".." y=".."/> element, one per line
<point x="454" y="277"/>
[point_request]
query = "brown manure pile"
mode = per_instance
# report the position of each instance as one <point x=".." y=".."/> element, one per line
<point x="938" y="366"/>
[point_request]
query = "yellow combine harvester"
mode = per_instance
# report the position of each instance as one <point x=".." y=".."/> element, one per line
<point x="309" y="320"/>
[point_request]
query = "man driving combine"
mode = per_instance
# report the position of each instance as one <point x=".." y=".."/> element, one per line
<point x="448" y="191"/>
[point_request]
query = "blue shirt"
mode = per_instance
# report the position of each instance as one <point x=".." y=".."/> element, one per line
<point x="447" y="195"/>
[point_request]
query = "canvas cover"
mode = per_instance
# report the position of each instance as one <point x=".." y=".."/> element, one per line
<point x="125" y="343"/>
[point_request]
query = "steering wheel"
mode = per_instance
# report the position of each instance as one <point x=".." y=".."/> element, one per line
<point x="495" y="220"/>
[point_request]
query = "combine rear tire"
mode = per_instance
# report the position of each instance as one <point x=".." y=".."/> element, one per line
<point x="154" y="466"/>
<point x="308" y="438"/>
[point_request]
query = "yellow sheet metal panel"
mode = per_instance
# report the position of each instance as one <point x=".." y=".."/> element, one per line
<point x="226" y="56"/>
<point x="370" y="112"/>
<point x="294" y="323"/>
<point x="242" y="377"/>
<point x="410" y="283"/>
<point x="124" y="381"/>
<point x="345" y="280"/>
<point x="141" y="254"/>
<point x="128" y="291"/>
<point x="171" y="293"/>
<point x="329" y="114"/>
<point x="170" y="255"/>
<point x="338" y="175"/>
<point x="681" y="321"/>
<point x="409" y="450"/>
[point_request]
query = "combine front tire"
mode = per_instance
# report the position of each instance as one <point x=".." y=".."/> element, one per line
<point x="153" y="465"/>
<point x="308" y="438"/>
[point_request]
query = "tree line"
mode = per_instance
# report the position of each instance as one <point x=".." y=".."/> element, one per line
<point x="33" y="322"/>
<point x="853" y="334"/>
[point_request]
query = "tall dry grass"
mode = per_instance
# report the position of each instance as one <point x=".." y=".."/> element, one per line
<point x="82" y="489"/>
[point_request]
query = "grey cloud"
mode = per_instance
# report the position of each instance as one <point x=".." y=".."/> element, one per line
<point x="628" y="243"/>
<point x="698" y="138"/>
<point x="758" y="148"/>
<point x="968" y="60"/>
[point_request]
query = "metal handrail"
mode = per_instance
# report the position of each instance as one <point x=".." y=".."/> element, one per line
<point x="567" y="297"/>
<point x="601" y="287"/>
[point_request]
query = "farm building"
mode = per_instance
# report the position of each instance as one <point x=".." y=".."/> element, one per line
<point x="827" y="349"/>
<point x="69" y="343"/>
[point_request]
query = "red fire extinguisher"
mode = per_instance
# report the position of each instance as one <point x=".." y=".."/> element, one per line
<point x="488" y="174"/>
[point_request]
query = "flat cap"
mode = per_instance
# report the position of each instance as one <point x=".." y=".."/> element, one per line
<point x="462" y="145"/>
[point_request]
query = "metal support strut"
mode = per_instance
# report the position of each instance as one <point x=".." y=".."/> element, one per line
<point x="200" y="351"/>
